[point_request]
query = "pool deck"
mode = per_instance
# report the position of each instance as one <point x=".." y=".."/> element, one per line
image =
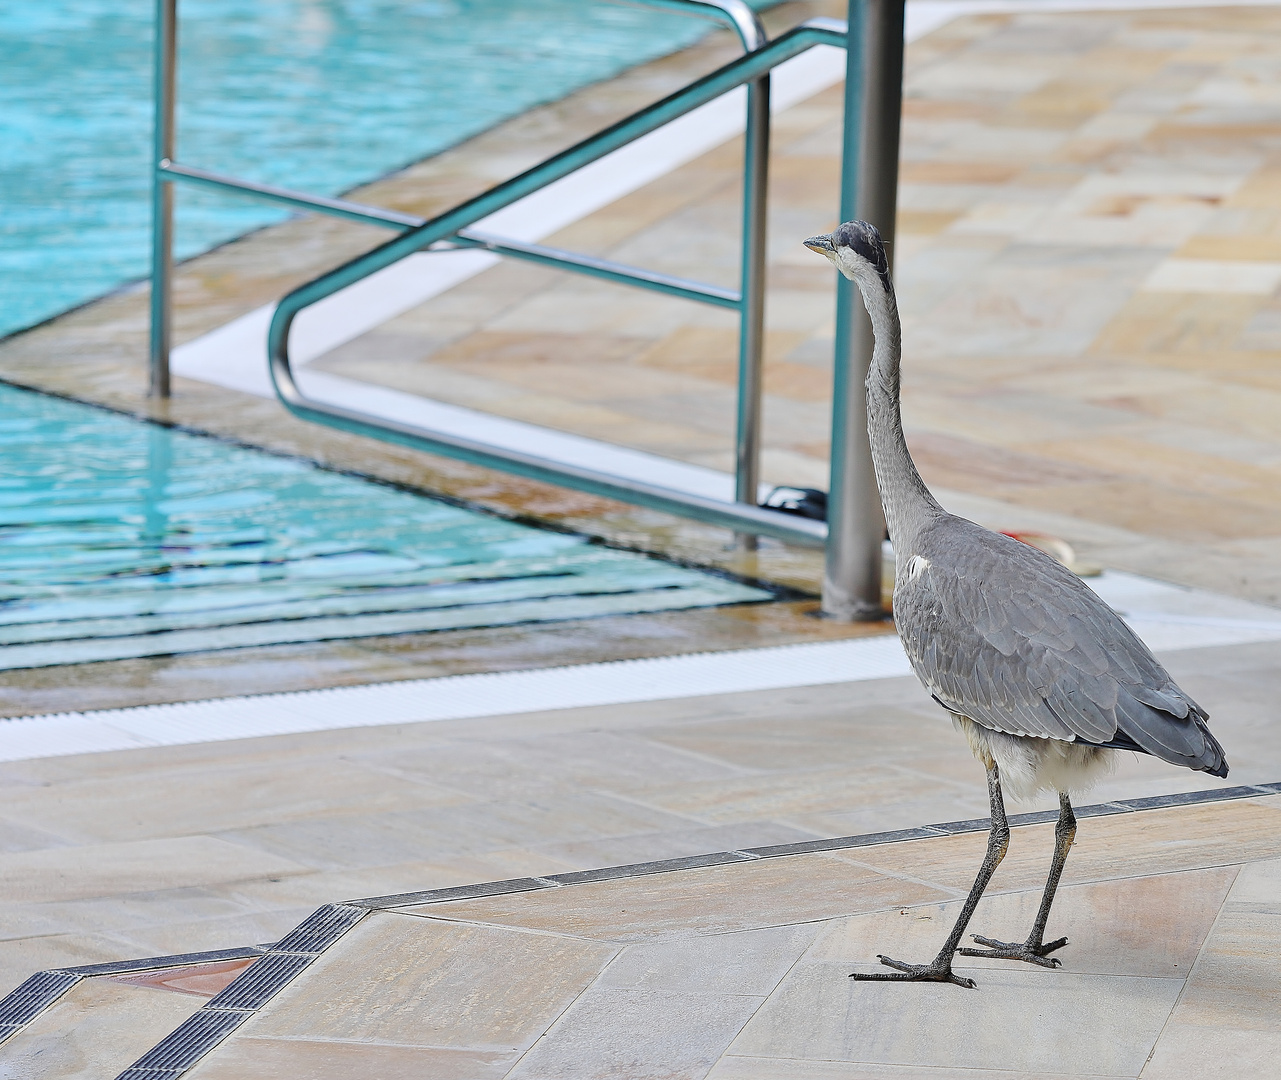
<point x="1075" y="187"/>
<point x="222" y="845"/>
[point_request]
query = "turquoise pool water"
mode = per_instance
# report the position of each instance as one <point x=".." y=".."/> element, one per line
<point x="314" y="94"/>
<point x="124" y="539"/>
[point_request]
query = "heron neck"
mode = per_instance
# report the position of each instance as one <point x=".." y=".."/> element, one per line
<point x="907" y="501"/>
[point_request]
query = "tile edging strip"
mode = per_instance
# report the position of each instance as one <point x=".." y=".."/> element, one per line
<point x="41" y="990"/>
<point x="277" y="967"/>
<point x="804" y="847"/>
<point x="182" y="1048"/>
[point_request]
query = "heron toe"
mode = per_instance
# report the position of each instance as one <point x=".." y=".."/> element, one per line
<point x="935" y="972"/>
<point x="1024" y="950"/>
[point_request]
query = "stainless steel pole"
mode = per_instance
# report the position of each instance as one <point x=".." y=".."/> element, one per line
<point x="869" y="190"/>
<point x="162" y="196"/>
<point x="751" y="333"/>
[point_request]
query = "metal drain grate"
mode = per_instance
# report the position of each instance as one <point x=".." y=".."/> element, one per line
<point x="282" y="963"/>
<point x="320" y="929"/>
<point x="29" y="1000"/>
<point x="187" y="1044"/>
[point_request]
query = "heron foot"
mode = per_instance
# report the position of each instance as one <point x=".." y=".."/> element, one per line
<point x="937" y="971"/>
<point x="1028" y="951"/>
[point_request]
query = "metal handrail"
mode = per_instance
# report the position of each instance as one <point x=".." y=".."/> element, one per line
<point x="743" y="515"/>
<point x="852" y="580"/>
<point x="737" y="14"/>
<point x="749" y="301"/>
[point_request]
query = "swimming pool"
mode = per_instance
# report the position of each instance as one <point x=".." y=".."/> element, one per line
<point x="123" y="539"/>
<point x="320" y="95"/>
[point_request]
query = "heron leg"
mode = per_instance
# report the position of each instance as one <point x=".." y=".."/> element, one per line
<point x="940" y="968"/>
<point x="1035" y="950"/>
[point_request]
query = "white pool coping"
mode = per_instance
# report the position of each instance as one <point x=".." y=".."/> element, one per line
<point x="1167" y="617"/>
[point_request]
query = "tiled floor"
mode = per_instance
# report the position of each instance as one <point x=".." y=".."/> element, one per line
<point x="220" y="845"/>
<point x="741" y="971"/>
<point x="1070" y="182"/>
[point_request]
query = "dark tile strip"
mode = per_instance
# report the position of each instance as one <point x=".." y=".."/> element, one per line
<point x="221" y="1015"/>
<point x="156" y="963"/>
<point x="289" y="957"/>
<point x="807" y="847"/>
<point x="29" y="1000"/>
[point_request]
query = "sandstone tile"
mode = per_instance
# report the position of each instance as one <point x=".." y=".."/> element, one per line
<point x="778" y="797"/>
<point x="201" y="800"/>
<point x="637" y="1033"/>
<point x="246" y="1058"/>
<point x="404" y="981"/>
<point x="1126" y="846"/>
<point x="751" y="962"/>
<point x="1234" y="985"/>
<point x="722" y="899"/>
<point x="742" y="1067"/>
<point x="386" y="839"/>
<point x="133" y="867"/>
<point x="180" y="935"/>
<point x="22" y="957"/>
<point x="1039" y="1032"/>
<point x="1216" y="1053"/>
<point x="817" y="729"/>
<point x="1259" y="885"/>
<point x="906" y="808"/>
<point x="601" y="760"/>
<point x="1150" y="927"/>
<point x="98" y="1029"/>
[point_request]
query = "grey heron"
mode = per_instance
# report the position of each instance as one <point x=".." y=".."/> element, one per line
<point x="1043" y="679"/>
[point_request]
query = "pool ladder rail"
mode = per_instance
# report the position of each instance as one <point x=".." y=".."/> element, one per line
<point x="852" y="534"/>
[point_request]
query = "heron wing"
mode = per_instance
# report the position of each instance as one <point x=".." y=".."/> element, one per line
<point x="1001" y="633"/>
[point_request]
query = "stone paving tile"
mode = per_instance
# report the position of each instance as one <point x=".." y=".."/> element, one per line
<point x="98" y="1029"/>
<point x="747" y="977"/>
<point x="380" y="839"/>
<point x="742" y="1067"/>
<point x="134" y="866"/>
<point x="121" y="808"/>
<point x="645" y="1034"/>
<point x="1132" y="845"/>
<point x="245" y="1058"/>
<point x="673" y="843"/>
<point x="1225" y="1022"/>
<point x="714" y="900"/>
<point x="751" y="963"/>
<point x="397" y="980"/>
<point x="1040" y="1027"/>
<point x="1141" y="926"/>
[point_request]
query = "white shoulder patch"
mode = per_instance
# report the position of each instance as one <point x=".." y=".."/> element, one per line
<point x="916" y="566"/>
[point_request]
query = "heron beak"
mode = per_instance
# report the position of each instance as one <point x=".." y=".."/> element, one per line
<point x="821" y="244"/>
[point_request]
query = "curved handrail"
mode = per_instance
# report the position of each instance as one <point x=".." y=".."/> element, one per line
<point x="738" y="13"/>
<point x="796" y="41"/>
<point x="743" y="69"/>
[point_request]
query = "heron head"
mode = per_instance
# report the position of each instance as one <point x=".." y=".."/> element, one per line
<point x="856" y="250"/>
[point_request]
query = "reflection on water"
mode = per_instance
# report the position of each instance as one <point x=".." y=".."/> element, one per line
<point x="320" y="95"/>
<point x="121" y="539"/>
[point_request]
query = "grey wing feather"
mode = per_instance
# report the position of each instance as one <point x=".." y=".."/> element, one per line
<point x="1001" y="633"/>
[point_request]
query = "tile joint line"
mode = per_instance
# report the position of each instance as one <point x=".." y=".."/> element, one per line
<point x="804" y="847"/>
